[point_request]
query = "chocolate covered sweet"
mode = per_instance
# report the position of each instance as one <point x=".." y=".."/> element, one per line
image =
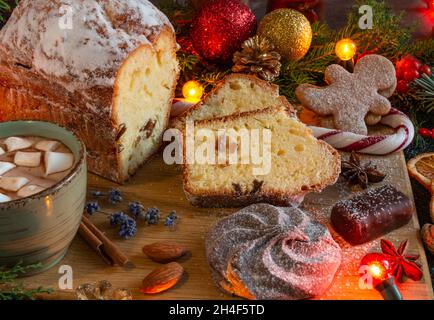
<point x="268" y="252"/>
<point x="371" y="214"/>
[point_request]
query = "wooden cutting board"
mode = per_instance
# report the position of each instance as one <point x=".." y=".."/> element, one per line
<point x="160" y="185"/>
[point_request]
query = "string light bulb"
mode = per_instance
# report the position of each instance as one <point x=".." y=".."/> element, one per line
<point x="377" y="271"/>
<point x="192" y="91"/>
<point x="346" y="49"/>
<point x="376" y="268"/>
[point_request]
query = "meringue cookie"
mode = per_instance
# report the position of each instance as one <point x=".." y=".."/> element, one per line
<point x="268" y="252"/>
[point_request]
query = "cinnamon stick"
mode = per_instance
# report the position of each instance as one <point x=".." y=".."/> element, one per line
<point x="97" y="240"/>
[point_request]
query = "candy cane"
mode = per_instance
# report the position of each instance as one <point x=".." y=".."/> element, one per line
<point x="377" y="145"/>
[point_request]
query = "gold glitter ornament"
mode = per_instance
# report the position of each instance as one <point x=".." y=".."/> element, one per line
<point x="289" y="31"/>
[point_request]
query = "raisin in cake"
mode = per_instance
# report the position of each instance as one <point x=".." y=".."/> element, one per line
<point x="235" y="94"/>
<point x="299" y="162"/>
<point x="106" y="70"/>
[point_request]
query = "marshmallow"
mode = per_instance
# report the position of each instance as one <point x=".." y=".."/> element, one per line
<point x="47" y="145"/>
<point x="2" y="151"/>
<point x="13" y="183"/>
<point x="58" y="162"/>
<point x="29" y="190"/>
<point x="27" y="159"/>
<point x="5" y="167"/>
<point x="4" y="198"/>
<point x="17" y="143"/>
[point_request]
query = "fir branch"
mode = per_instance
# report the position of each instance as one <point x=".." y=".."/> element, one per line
<point x="425" y="93"/>
<point x="187" y="62"/>
<point x="179" y="15"/>
<point x="423" y="49"/>
<point x="5" y="8"/>
<point x="387" y="37"/>
<point x="11" y="290"/>
<point x="419" y="144"/>
<point x="210" y="79"/>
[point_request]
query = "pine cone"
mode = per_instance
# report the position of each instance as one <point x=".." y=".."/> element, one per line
<point x="258" y="57"/>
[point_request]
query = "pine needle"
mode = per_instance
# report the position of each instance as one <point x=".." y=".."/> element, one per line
<point x="11" y="290"/>
<point x="426" y="92"/>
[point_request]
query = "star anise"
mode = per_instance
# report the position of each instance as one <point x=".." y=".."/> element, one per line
<point x="358" y="174"/>
<point x="401" y="264"/>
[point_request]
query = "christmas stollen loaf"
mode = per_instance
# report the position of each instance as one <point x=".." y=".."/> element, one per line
<point x="106" y="70"/>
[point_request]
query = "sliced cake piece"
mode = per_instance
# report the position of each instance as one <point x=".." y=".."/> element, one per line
<point x="235" y="94"/>
<point x="299" y="163"/>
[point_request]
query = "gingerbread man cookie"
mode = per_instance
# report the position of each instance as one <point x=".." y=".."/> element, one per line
<point x="349" y="97"/>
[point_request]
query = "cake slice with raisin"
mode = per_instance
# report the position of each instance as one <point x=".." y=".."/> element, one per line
<point x="298" y="162"/>
<point x="236" y="93"/>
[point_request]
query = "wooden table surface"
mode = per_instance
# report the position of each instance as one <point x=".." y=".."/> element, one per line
<point x="157" y="184"/>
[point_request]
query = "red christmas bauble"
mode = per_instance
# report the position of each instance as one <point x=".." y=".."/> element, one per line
<point x="220" y="27"/>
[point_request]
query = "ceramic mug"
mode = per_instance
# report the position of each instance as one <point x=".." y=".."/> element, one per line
<point x="40" y="228"/>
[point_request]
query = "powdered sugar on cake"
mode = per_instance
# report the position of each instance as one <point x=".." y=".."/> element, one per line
<point x="275" y="252"/>
<point x="85" y="40"/>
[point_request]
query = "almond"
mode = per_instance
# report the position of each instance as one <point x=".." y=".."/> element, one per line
<point x="162" y="278"/>
<point x="164" y="252"/>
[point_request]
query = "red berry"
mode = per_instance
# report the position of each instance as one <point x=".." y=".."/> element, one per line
<point x="425" y="69"/>
<point x="408" y="62"/>
<point x="399" y="74"/>
<point x="411" y="75"/>
<point x="424" y="132"/>
<point x="403" y="86"/>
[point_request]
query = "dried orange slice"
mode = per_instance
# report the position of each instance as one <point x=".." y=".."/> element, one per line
<point x="422" y="169"/>
<point x="309" y="117"/>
